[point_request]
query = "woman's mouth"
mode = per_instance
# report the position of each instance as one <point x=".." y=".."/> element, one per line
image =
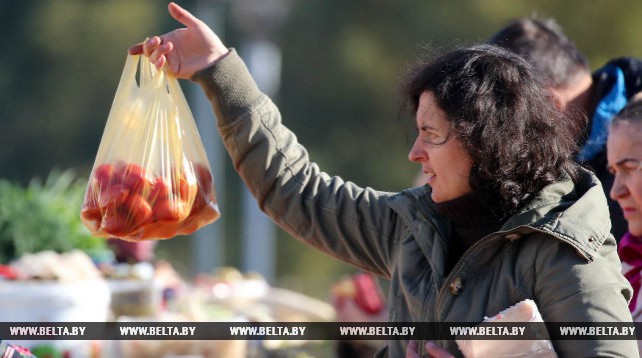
<point x="628" y="211"/>
<point x="429" y="177"/>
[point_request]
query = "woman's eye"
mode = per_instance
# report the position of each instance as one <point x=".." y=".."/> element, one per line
<point x="630" y="165"/>
<point x="431" y="138"/>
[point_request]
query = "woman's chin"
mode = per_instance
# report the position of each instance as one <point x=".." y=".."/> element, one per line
<point x="436" y="197"/>
<point x="634" y="230"/>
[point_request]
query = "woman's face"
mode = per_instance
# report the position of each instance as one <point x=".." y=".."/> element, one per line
<point x="444" y="161"/>
<point x="624" y="154"/>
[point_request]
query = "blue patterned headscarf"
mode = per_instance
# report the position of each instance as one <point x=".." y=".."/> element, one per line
<point x="606" y="109"/>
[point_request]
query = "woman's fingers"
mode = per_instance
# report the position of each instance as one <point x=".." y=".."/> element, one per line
<point x="155" y="49"/>
<point x="135" y="50"/>
<point x="159" y="55"/>
<point x="150" y="45"/>
<point x="146" y="47"/>
<point x="411" y="350"/>
<point x="183" y="16"/>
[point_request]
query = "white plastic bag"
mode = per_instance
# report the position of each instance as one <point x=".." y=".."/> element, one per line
<point x="524" y="311"/>
<point x="151" y="178"/>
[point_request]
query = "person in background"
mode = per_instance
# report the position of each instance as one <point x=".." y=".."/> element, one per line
<point x="140" y="260"/>
<point x="132" y="252"/>
<point x="591" y="99"/>
<point x="624" y="153"/>
<point x="504" y="217"/>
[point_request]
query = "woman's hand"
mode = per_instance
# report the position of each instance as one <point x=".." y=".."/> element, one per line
<point x="187" y="50"/>
<point x="432" y="349"/>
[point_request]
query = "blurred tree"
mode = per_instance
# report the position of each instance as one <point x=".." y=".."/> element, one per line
<point x="58" y="75"/>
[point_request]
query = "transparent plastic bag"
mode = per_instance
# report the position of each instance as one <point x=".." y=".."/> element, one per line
<point x="523" y="311"/>
<point x="151" y="178"/>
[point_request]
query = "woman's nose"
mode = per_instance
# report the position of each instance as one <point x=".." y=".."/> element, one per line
<point x="618" y="189"/>
<point x="417" y="154"/>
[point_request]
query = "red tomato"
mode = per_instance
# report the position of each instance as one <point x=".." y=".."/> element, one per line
<point x="91" y="199"/>
<point x="91" y="219"/>
<point x="159" y="191"/>
<point x="160" y="230"/>
<point x="189" y="225"/>
<point x="181" y="188"/>
<point x="199" y="203"/>
<point x="134" y="177"/>
<point x="90" y="212"/>
<point x="116" y="223"/>
<point x="204" y="177"/>
<point x="201" y="215"/>
<point x="103" y="175"/>
<point x="113" y="196"/>
<point x="139" y="209"/>
<point x="169" y="210"/>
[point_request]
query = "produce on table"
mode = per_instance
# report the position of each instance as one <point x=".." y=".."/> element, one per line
<point x="73" y="266"/>
<point x="126" y="201"/>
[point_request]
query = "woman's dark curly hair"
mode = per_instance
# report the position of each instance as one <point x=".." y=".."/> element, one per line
<point x="507" y="121"/>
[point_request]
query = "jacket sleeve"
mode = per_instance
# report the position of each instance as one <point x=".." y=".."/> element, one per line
<point x="570" y="288"/>
<point x="340" y="218"/>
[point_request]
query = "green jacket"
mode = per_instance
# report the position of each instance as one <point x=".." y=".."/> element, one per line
<point x="557" y="250"/>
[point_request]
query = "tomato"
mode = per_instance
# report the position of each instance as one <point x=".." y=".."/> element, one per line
<point x="169" y="210"/>
<point x="189" y="225"/>
<point x="199" y="203"/>
<point x="91" y="219"/>
<point x="204" y="211"/>
<point x="139" y="209"/>
<point x="204" y="177"/>
<point x="124" y="201"/>
<point x="160" y="230"/>
<point x="181" y="188"/>
<point x="116" y="223"/>
<point x="90" y="211"/>
<point x="90" y="203"/>
<point x="134" y="177"/>
<point x="103" y="175"/>
<point x="113" y="196"/>
<point x="160" y="190"/>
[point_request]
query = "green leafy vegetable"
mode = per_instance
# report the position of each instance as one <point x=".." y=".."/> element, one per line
<point x="44" y="216"/>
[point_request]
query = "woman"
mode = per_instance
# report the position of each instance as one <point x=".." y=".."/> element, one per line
<point x="624" y="155"/>
<point x="506" y="214"/>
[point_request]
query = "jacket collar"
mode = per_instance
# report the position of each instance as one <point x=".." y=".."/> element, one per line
<point x="576" y="214"/>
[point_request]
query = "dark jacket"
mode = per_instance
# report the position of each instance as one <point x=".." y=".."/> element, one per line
<point x="557" y="250"/>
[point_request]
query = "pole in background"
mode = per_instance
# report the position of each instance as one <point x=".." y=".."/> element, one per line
<point x="257" y="19"/>
<point x="208" y="245"/>
<point x="258" y="233"/>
